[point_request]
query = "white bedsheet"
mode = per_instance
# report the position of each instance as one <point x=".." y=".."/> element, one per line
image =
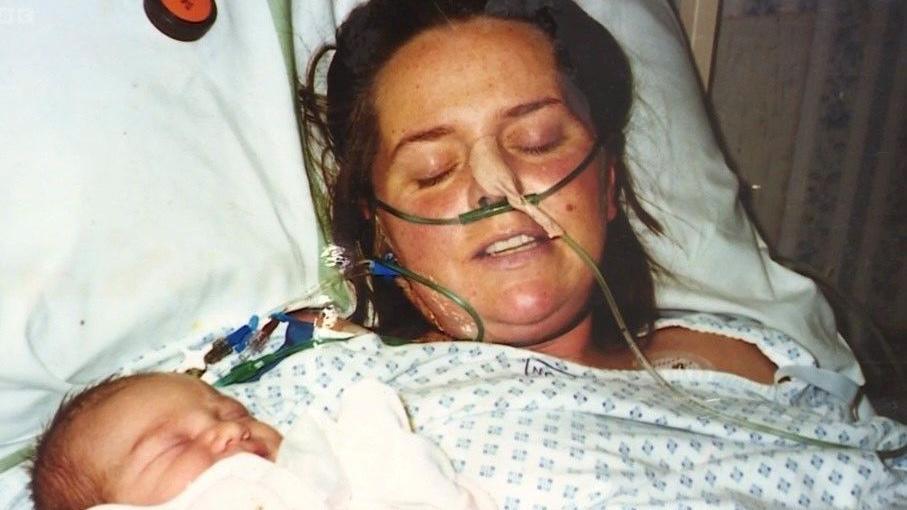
<point x="539" y="433"/>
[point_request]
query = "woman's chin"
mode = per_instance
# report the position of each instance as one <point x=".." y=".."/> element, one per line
<point x="519" y="312"/>
<point x="527" y="322"/>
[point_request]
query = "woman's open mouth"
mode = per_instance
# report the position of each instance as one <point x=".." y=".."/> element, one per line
<point x="511" y="245"/>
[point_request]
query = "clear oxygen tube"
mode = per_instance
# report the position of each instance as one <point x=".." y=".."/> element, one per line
<point x="529" y="204"/>
<point x="389" y="268"/>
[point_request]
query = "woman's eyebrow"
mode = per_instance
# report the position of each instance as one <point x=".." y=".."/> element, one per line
<point x="527" y="108"/>
<point x="422" y="136"/>
<point x="444" y="130"/>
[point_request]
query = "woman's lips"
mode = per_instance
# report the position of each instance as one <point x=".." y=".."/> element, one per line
<point x="510" y="242"/>
<point x="514" y="252"/>
<point x="517" y="243"/>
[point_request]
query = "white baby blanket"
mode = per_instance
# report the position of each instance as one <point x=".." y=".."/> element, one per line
<point x="367" y="459"/>
<point x="371" y="460"/>
<point x="241" y="482"/>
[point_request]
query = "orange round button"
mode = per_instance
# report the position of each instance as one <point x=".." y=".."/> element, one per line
<point x="190" y="10"/>
<point x="183" y="20"/>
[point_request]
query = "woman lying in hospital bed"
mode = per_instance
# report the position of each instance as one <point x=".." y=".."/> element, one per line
<point x="477" y="152"/>
<point x="436" y="112"/>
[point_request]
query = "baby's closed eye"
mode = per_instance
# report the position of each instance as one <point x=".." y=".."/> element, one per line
<point x="229" y="409"/>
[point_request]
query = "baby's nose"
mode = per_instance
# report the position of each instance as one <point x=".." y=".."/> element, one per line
<point x="227" y="435"/>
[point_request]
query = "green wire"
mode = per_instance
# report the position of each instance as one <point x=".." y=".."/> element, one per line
<point x="684" y="397"/>
<point x="496" y="208"/>
<point x="249" y="369"/>
<point x="449" y="294"/>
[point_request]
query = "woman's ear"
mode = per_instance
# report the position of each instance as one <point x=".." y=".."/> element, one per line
<point x="409" y="291"/>
<point x="611" y="189"/>
<point x="382" y="245"/>
<point x="366" y="209"/>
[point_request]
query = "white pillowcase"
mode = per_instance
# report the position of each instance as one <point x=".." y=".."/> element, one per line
<point x="153" y="192"/>
<point x="718" y="262"/>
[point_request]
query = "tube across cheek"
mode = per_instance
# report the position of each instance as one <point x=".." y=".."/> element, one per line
<point x="432" y="191"/>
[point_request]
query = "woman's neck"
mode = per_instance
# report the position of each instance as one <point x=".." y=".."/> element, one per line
<point x="578" y="345"/>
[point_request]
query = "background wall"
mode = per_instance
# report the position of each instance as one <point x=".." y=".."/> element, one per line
<point x="810" y="98"/>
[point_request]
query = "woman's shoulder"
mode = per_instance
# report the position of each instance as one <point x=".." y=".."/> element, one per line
<point x="713" y="342"/>
<point x="678" y="347"/>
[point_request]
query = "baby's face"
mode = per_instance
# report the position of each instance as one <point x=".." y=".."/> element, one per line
<point x="159" y="433"/>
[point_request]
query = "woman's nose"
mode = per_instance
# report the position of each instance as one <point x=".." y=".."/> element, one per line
<point x="226" y="435"/>
<point x="492" y="178"/>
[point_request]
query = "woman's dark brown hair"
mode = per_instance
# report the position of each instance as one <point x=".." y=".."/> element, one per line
<point x="345" y="123"/>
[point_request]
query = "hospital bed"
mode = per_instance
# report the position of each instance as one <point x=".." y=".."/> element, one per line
<point x="156" y="198"/>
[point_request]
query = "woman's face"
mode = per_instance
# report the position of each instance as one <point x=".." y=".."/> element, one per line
<point x="460" y="99"/>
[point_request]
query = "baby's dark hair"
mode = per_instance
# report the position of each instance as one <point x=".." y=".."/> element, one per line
<point x="61" y="476"/>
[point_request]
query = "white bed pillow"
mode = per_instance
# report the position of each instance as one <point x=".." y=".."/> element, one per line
<point x="717" y="260"/>
<point x="153" y="191"/>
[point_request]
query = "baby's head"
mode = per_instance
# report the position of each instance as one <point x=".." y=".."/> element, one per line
<point x="140" y="440"/>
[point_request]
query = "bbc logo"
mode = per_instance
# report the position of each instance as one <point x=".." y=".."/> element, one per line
<point x="16" y="15"/>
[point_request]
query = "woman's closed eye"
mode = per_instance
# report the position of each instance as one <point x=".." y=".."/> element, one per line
<point x="544" y="133"/>
<point x="425" y="164"/>
<point x="539" y="148"/>
<point x="538" y="140"/>
<point x="434" y="180"/>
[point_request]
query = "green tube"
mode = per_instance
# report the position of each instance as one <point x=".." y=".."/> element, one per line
<point x="449" y="294"/>
<point x="496" y="208"/>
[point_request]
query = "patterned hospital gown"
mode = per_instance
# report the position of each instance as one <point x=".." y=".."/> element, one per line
<point x="540" y="433"/>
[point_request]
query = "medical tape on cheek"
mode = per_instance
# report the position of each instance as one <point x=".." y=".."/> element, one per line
<point x="494" y="176"/>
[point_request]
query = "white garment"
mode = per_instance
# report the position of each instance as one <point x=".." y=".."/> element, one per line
<point x="367" y="459"/>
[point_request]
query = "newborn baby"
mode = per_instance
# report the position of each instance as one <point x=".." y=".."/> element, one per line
<point x="171" y="440"/>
